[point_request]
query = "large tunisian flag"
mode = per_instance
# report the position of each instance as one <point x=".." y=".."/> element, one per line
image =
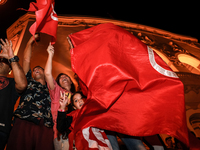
<point x="46" y="18"/>
<point x="129" y="88"/>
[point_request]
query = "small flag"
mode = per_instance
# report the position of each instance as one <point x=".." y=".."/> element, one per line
<point x="46" y="18"/>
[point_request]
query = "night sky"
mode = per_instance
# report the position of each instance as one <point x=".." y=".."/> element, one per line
<point x="181" y="18"/>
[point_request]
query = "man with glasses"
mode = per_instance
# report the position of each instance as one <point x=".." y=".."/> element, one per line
<point x="10" y="88"/>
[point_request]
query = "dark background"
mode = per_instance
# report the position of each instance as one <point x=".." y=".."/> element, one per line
<point x="181" y="17"/>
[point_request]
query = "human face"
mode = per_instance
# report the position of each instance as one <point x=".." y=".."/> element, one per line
<point x="4" y="66"/>
<point x="78" y="101"/>
<point x="65" y="82"/>
<point x="169" y="143"/>
<point x="38" y="73"/>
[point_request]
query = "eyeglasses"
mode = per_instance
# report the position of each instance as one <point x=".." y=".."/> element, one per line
<point x="4" y="60"/>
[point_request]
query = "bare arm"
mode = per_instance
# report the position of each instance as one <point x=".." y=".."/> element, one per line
<point x="19" y="77"/>
<point x="27" y="54"/>
<point x="18" y="73"/>
<point x="48" y="67"/>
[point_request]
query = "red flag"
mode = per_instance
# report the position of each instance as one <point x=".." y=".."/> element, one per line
<point x="129" y="88"/>
<point x="88" y="138"/>
<point x="92" y="139"/>
<point x="46" y="18"/>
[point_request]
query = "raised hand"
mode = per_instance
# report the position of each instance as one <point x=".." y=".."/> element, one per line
<point x="7" y="51"/>
<point x="63" y="100"/>
<point x="50" y="50"/>
<point x="33" y="39"/>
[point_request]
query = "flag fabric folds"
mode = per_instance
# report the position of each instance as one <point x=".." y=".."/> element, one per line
<point x="88" y="138"/>
<point x="92" y="139"/>
<point x="46" y="18"/>
<point x="129" y="88"/>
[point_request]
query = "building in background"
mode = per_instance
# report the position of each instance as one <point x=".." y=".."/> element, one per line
<point x="181" y="53"/>
<point x="2" y="2"/>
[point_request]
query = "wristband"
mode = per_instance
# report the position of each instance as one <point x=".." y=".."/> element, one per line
<point x="61" y="110"/>
<point x="14" y="59"/>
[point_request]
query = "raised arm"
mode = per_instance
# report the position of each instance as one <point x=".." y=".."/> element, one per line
<point x="63" y="123"/>
<point x="18" y="73"/>
<point x="48" y="67"/>
<point x="27" y="54"/>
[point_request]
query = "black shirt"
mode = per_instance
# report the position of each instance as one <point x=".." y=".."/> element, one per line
<point x="63" y="122"/>
<point x="8" y="98"/>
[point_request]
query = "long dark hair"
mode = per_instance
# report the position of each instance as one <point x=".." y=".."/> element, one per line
<point x="70" y="106"/>
<point x="72" y="85"/>
<point x="78" y="92"/>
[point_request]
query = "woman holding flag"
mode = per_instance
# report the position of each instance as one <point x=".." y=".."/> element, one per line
<point x="62" y="84"/>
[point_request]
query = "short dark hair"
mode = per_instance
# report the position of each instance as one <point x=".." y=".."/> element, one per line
<point x="72" y="85"/>
<point x="38" y="67"/>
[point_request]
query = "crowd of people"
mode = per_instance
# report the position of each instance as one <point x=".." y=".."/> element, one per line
<point x="48" y="107"/>
<point x="40" y="120"/>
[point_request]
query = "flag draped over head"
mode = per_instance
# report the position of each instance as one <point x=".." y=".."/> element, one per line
<point x="46" y="18"/>
<point x="129" y="88"/>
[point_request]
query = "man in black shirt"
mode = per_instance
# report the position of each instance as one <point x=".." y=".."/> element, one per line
<point x="10" y="88"/>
